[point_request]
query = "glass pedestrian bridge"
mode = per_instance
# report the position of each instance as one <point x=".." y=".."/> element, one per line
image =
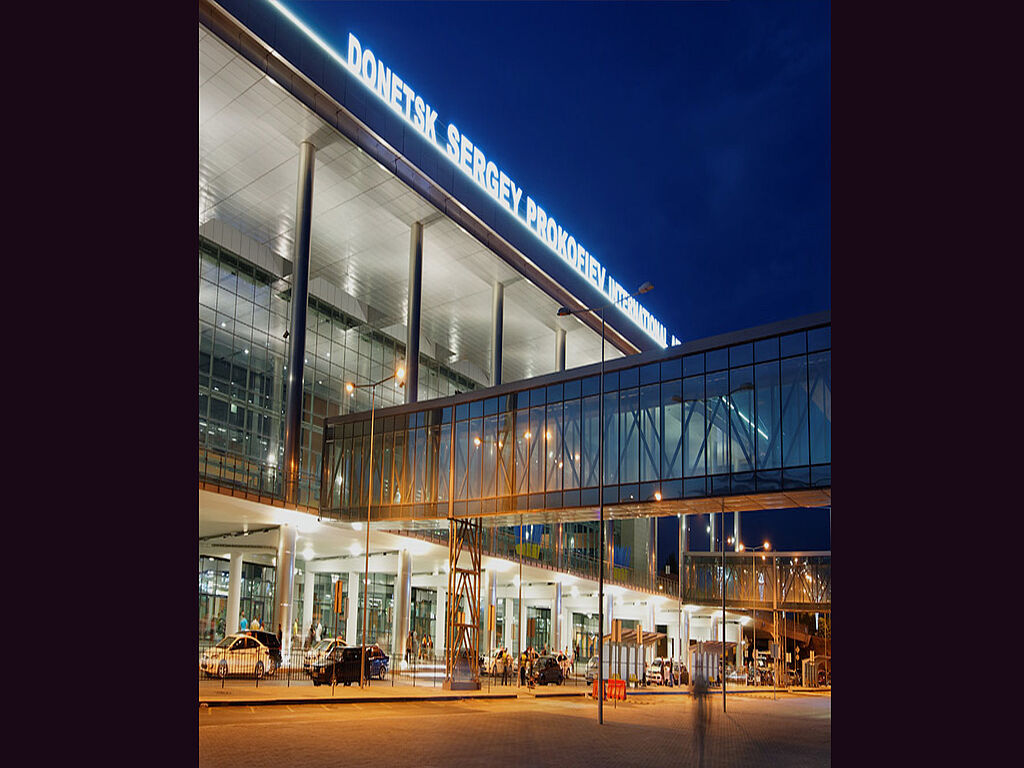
<point x="731" y="423"/>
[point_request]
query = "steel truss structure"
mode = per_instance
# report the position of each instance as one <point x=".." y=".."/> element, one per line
<point x="462" y="614"/>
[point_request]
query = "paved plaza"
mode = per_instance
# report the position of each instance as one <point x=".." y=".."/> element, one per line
<point x="794" y="730"/>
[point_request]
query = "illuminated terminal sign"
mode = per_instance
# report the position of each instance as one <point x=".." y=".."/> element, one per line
<point x="462" y="152"/>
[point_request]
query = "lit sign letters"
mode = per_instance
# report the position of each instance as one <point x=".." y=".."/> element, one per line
<point x="471" y="159"/>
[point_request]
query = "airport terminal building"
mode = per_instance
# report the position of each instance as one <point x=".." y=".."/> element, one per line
<point x="349" y="229"/>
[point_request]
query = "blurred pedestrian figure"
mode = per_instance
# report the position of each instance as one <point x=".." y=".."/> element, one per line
<point x="279" y="633"/>
<point x="243" y="624"/>
<point x="319" y="631"/>
<point x="506" y="662"/>
<point x="311" y="637"/>
<point x="701" y="714"/>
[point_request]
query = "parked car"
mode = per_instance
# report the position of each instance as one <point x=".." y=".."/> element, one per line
<point x="378" y="661"/>
<point x="239" y="654"/>
<point x="655" y="672"/>
<point x="592" y="670"/>
<point x="340" y="664"/>
<point x="270" y="640"/>
<point x="320" y="650"/>
<point x="547" y="670"/>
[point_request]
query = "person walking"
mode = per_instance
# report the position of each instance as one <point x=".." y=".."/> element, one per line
<point x="701" y="715"/>
<point x="243" y="624"/>
<point x="279" y="633"/>
<point x="311" y="637"/>
<point x="319" y="631"/>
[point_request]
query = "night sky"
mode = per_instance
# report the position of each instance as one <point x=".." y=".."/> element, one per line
<point x="685" y="143"/>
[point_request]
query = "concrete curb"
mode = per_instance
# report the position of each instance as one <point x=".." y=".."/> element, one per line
<point x="348" y="700"/>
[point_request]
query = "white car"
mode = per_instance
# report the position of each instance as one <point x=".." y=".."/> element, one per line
<point x="318" y="653"/>
<point x="654" y="672"/>
<point x="238" y="655"/>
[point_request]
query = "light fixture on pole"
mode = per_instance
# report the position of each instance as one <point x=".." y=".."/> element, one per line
<point x="753" y="576"/>
<point x="351" y="387"/>
<point x="563" y="312"/>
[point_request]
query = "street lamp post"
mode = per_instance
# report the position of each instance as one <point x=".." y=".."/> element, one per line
<point x="753" y="576"/>
<point x="350" y="387"/>
<point x="562" y="312"/>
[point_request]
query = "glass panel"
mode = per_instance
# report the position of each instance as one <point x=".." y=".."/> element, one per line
<point x="629" y="435"/>
<point x="672" y="428"/>
<point x="718" y="359"/>
<point x="794" y="344"/>
<point x="819" y="369"/>
<point x="611" y="438"/>
<point x="650" y="433"/>
<point x="741" y="354"/>
<point x="794" y="412"/>
<point x="694" y="427"/>
<point x="819" y="338"/>
<point x="591" y="439"/>
<point x="741" y="415"/>
<point x="553" y="446"/>
<point x="572" y="444"/>
<point x="488" y="451"/>
<point x="693" y="364"/>
<point x="444" y="456"/>
<point x="522" y="476"/>
<point x="716" y="407"/>
<point x="766" y="349"/>
<point x="476" y="437"/>
<point x="769" y="416"/>
<point x="505" y="448"/>
<point x="537" y="448"/>
<point x="461" y="459"/>
<point x="398" y="472"/>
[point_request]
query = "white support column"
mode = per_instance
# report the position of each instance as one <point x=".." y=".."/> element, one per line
<point x="649" y="617"/>
<point x="739" y="645"/>
<point x="711" y="543"/>
<point x="402" y="600"/>
<point x="352" y="624"/>
<point x="507" y="623"/>
<point x="441" y="622"/>
<point x="307" y="601"/>
<point x="284" y="582"/>
<point x="736" y="531"/>
<point x="234" y="593"/>
<point x="556" y="618"/>
<point x="684" y="641"/>
<point x="559" y="349"/>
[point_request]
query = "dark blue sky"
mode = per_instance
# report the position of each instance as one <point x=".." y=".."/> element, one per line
<point x="685" y="143"/>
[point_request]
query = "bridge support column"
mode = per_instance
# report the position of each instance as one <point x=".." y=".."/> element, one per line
<point x="739" y="645"/>
<point x="684" y="643"/>
<point x="412" y="321"/>
<point x="234" y="593"/>
<point x="736" y="537"/>
<point x="711" y="545"/>
<point x="297" y="327"/>
<point x="497" y="331"/>
<point x="559" y="349"/>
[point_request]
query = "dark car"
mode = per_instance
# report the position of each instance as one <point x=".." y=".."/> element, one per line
<point x="546" y="669"/>
<point x="378" y="662"/>
<point x="270" y="640"/>
<point x="340" y="665"/>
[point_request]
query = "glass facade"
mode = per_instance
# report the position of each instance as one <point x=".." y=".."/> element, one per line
<point x="722" y="430"/>
<point x="243" y="361"/>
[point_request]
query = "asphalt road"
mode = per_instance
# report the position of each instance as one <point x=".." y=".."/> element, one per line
<point x="795" y="730"/>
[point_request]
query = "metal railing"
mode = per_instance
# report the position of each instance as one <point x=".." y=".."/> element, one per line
<point x="253" y="479"/>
